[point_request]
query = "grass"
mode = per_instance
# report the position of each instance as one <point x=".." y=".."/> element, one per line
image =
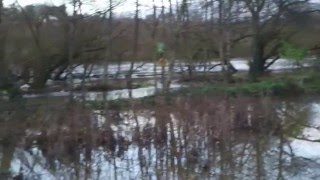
<point x="281" y="85"/>
<point x="256" y="89"/>
<point x="285" y="84"/>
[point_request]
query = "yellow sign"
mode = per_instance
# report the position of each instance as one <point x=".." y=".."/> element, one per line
<point x="163" y="62"/>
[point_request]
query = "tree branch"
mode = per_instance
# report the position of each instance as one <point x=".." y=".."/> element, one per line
<point x="270" y="63"/>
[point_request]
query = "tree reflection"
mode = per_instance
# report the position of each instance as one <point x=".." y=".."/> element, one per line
<point x="203" y="138"/>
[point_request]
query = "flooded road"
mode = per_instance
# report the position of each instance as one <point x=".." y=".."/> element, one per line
<point x="187" y="138"/>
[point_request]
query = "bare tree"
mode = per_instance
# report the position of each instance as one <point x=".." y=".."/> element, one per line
<point x="225" y="27"/>
<point x="135" y="47"/>
<point x="46" y="60"/>
<point x="71" y="34"/>
<point x="153" y="37"/>
<point x="176" y="39"/>
<point x="3" y="68"/>
<point x="267" y="27"/>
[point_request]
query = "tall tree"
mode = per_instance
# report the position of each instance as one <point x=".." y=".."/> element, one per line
<point x="71" y="40"/>
<point x="135" y="46"/>
<point x="225" y="13"/>
<point x="3" y="67"/>
<point x="1" y="10"/>
<point x="268" y="30"/>
<point x="44" y="41"/>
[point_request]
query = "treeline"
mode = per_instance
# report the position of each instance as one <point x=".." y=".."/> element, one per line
<point x="42" y="41"/>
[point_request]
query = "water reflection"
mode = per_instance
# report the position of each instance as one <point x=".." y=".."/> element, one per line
<point x="190" y="138"/>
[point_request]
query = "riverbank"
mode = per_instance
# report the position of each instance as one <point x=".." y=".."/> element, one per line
<point x="289" y="84"/>
<point x="286" y="84"/>
<point x="281" y="84"/>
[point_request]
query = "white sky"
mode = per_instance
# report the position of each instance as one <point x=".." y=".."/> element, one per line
<point x="127" y="7"/>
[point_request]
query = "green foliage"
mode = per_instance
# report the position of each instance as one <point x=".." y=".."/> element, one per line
<point x="291" y="52"/>
<point x="310" y="82"/>
<point x="283" y="85"/>
<point x="268" y="87"/>
<point x="160" y="48"/>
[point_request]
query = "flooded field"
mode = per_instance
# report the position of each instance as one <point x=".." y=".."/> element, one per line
<point x="62" y="135"/>
<point x="145" y="77"/>
<point x="146" y="69"/>
<point x="187" y="138"/>
<point x="159" y="90"/>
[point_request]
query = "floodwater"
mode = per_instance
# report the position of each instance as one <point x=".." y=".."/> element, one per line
<point x="110" y="95"/>
<point x="145" y="72"/>
<point x="146" y="69"/>
<point x="49" y="137"/>
<point x="184" y="138"/>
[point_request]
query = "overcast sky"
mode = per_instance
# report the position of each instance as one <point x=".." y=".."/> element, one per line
<point x="127" y="7"/>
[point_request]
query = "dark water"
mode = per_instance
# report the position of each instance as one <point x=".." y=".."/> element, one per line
<point x="189" y="138"/>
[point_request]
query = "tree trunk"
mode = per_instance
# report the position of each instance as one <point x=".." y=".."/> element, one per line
<point x="1" y="10"/>
<point x="135" y="48"/>
<point x="224" y="39"/>
<point x="257" y="63"/>
<point x="60" y="71"/>
<point x="7" y="155"/>
<point x="171" y="61"/>
<point x="3" y="68"/>
<point x="40" y="77"/>
<point x="153" y="37"/>
<point x="71" y="43"/>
